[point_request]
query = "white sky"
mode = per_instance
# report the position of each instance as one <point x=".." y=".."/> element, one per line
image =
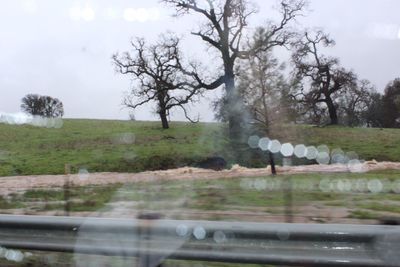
<point x="49" y="47"/>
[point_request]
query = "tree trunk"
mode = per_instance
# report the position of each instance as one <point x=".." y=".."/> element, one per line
<point x="332" y="111"/>
<point x="164" y="119"/>
<point x="236" y="110"/>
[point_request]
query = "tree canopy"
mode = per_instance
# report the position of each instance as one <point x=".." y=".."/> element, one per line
<point x="45" y="106"/>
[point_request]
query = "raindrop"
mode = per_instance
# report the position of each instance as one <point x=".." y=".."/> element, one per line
<point x="274" y="146"/>
<point x="253" y="141"/>
<point x="396" y="186"/>
<point x="142" y="15"/>
<point x="270" y="184"/>
<point x="375" y="186"/>
<point x="199" y="233"/>
<point x="283" y="234"/>
<point x="323" y="158"/>
<point x="83" y="174"/>
<point x="219" y="237"/>
<point x="58" y="123"/>
<point x="355" y="166"/>
<point x="28" y="254"/>
<point x="287" y="150"/>
<point x="130" y="14"/>
<point x="2" y="251"/>
<point x="300" y="151"/>
<point x="351" y="155"/>
<point x="312" y="153"/>
<point x="154" y="14"/>
<point x="245" y="183"/>
<point x="360" y="185"/>
<point x="75" y="13"/>
<point x="344" y="185"/>
<point x="263" y="143"/>
<point x="14" y="255"/>
<point x="129" y="156"/>
<point x="88" y="13"/>
<point x="323" y="148"/>
<point x="337" y="156"/>
<point x="111" y="13"/>
<point x="124" y="139"/>
<point x="182" y="230"/>
<point x="260" y="184"/>
<point x="3" y="155"/>
<point x="324" y="185"/>
<point x="287" y="162"/>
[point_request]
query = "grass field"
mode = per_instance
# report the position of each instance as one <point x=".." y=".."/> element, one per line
<point x="126" y="146"/>
<point x="257" y="199"/>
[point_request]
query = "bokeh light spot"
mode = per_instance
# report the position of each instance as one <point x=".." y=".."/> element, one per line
<point x="253" y="141"/>
<point x="219" y="237"/>
<point x="375" y="186"/>
<point x="199" y="232"/>
<point x="312" y="153"/>
<point x="263" y="143"/>
<point x="88" y="13"/>
<point x="323" y="158"/>
<point x="182" y="230"/>
<point x="274" y="146"/>
<point x="300" y="151"/>
<point x="287" y="150"/>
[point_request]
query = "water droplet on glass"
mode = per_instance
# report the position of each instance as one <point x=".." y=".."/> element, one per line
<point x="337" y="156"/>
<point x="287" y="150"/>
<point x="199" y="233"/>
<point x="344" y="185"/>
<point x="260" y="184"/>
<point x="360" y="185"/>
<point x="300" y="151"/>
<point x="182" y="230"/>
<point x="219" y="237"/>
<point x="124" y="139"/>
<point x="129" y="156"/>
<point x="323" y="148"/>
<point x="245" y="183"/>
<point x="253" y="141"/>
<point x="2" y="251"/>
<point x="351" y="155"/>
<point x="323" y="158"/>
<point x="375" y="186"/>
<point x="58" y="123"/>
<point x="83" y="174"/>
<point x="263" y="143"/>
<point x="283" y="235"/>
<point x="312" y="153"/>
<point x="274" y="146"/>
<point x="324" y="185"/>
<point x="396" y="186"/>
<point x="355" y="166"/>
<point x="14" y="255"/>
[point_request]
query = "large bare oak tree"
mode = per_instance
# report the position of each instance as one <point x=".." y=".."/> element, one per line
<point x="224" y="29"/>
<point x="160" y="75"/>
<point x="320" y="78"/>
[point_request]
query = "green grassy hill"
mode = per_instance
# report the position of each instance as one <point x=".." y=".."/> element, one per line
<point x="101" y="145"/>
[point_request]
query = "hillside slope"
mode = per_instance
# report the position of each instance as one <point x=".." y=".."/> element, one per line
<point x="126" y="146"/>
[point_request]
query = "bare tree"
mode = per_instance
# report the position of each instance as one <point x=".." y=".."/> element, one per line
<point x="354" y="102"/>
<point x="160" y="75"/>
<point x="224" y="29"/>
<point x="45" y="106"/>
<point x="391" y="104"/>
<point x="320" y="78"/>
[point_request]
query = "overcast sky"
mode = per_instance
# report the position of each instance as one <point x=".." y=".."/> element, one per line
<point x="63" y="48"/>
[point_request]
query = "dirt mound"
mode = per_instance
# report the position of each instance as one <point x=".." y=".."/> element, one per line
<point x="22" y="183"/>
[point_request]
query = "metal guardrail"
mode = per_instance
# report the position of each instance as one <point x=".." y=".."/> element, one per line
<point x="235" y="242"/>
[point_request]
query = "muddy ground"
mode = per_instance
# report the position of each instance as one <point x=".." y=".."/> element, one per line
<point x="311" y="212"/>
